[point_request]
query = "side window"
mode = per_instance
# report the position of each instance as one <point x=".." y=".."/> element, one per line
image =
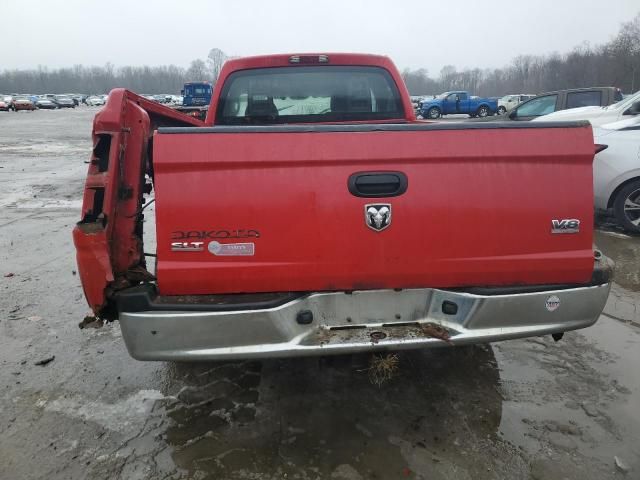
<point x="463" y="96"/>
<point x="584" y="99"/>
<point x="618" y="95"/>
<point x="452" y="97"/>
<point x="537" y="106"/>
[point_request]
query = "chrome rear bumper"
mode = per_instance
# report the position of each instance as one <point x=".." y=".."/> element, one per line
<point x="359" y="321"/>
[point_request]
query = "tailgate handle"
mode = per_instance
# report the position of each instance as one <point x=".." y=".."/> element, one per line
<point x="378" y="184"/>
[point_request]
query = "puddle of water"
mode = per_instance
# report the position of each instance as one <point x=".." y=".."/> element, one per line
<point x="586" y="403"/>
<point x="624" y="340"/>
<point x="318" y="417"/>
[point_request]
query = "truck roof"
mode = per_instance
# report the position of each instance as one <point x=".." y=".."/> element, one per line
<point x="284" y="59"/>
<point x="581" y="89"/>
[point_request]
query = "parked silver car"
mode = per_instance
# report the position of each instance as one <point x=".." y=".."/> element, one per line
<point x="63" y="101"/>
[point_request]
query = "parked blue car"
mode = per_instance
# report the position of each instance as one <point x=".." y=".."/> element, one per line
<point x="449" y="103"/>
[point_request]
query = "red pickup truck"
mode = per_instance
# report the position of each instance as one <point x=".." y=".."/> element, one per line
<point x="311" y="213"/>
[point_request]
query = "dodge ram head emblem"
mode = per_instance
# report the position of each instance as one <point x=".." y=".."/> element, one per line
<point x="377" y="216"/>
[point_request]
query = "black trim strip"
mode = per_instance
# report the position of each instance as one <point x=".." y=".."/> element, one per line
<point x="145" y="298"/>
<point x="602" y="274"/>
<point x="374" y="127"/>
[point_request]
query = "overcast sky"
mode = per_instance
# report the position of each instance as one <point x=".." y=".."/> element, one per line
<point x="414" y="33"/>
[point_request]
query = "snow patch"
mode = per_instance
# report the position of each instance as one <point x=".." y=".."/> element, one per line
<point x="127" y="415"/>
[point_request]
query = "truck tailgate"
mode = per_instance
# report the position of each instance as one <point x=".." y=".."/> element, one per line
<point x="266" y="209"/>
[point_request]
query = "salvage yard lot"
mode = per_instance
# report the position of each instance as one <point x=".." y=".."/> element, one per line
<point x="518" y="410"/>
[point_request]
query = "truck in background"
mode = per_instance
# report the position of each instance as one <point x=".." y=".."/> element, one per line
<point x="551" y="102"/>
<point x="451" y="103"/>
<point x="596" y="114"/>
<point x="196" y="97"/>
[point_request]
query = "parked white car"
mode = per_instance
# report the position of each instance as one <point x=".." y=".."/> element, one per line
<point x="508" y="102"/>
<point x="597" y="115"/>
<point x="616" y="171"/>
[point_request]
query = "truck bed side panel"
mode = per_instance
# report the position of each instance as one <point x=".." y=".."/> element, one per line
<point x="108" y="238"/>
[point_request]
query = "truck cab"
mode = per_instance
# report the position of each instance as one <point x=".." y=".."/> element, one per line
<point x="196" y="94"/>
<point x="455" y="102"/>
<point x="550" y="102"/>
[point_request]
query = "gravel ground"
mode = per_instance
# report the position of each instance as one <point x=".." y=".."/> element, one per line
<point x="526" y="409"/>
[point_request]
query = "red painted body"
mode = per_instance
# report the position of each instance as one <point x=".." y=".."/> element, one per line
<point x="109" y="251"/>
<point x="477" y="211"/>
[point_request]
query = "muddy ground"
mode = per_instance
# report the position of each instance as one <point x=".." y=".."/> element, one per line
<point x="529" y="409"/>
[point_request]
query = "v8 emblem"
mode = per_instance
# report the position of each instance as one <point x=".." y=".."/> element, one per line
<point x="566" y="225"/>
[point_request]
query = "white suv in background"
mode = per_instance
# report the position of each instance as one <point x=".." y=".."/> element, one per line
<point x="597" y="115"/>
<point x="508" y="102"/>
<point x="95" y="100"/>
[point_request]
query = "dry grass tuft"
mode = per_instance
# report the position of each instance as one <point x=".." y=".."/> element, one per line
<point x="383" y="368"/>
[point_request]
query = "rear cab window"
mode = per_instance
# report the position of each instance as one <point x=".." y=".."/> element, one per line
<point x="308" y="94"/>
<point x="584" y="99"/>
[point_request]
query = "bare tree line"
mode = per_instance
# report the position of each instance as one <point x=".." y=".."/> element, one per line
<point x="616" y="63"/>
<point x="98" y="80"/>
